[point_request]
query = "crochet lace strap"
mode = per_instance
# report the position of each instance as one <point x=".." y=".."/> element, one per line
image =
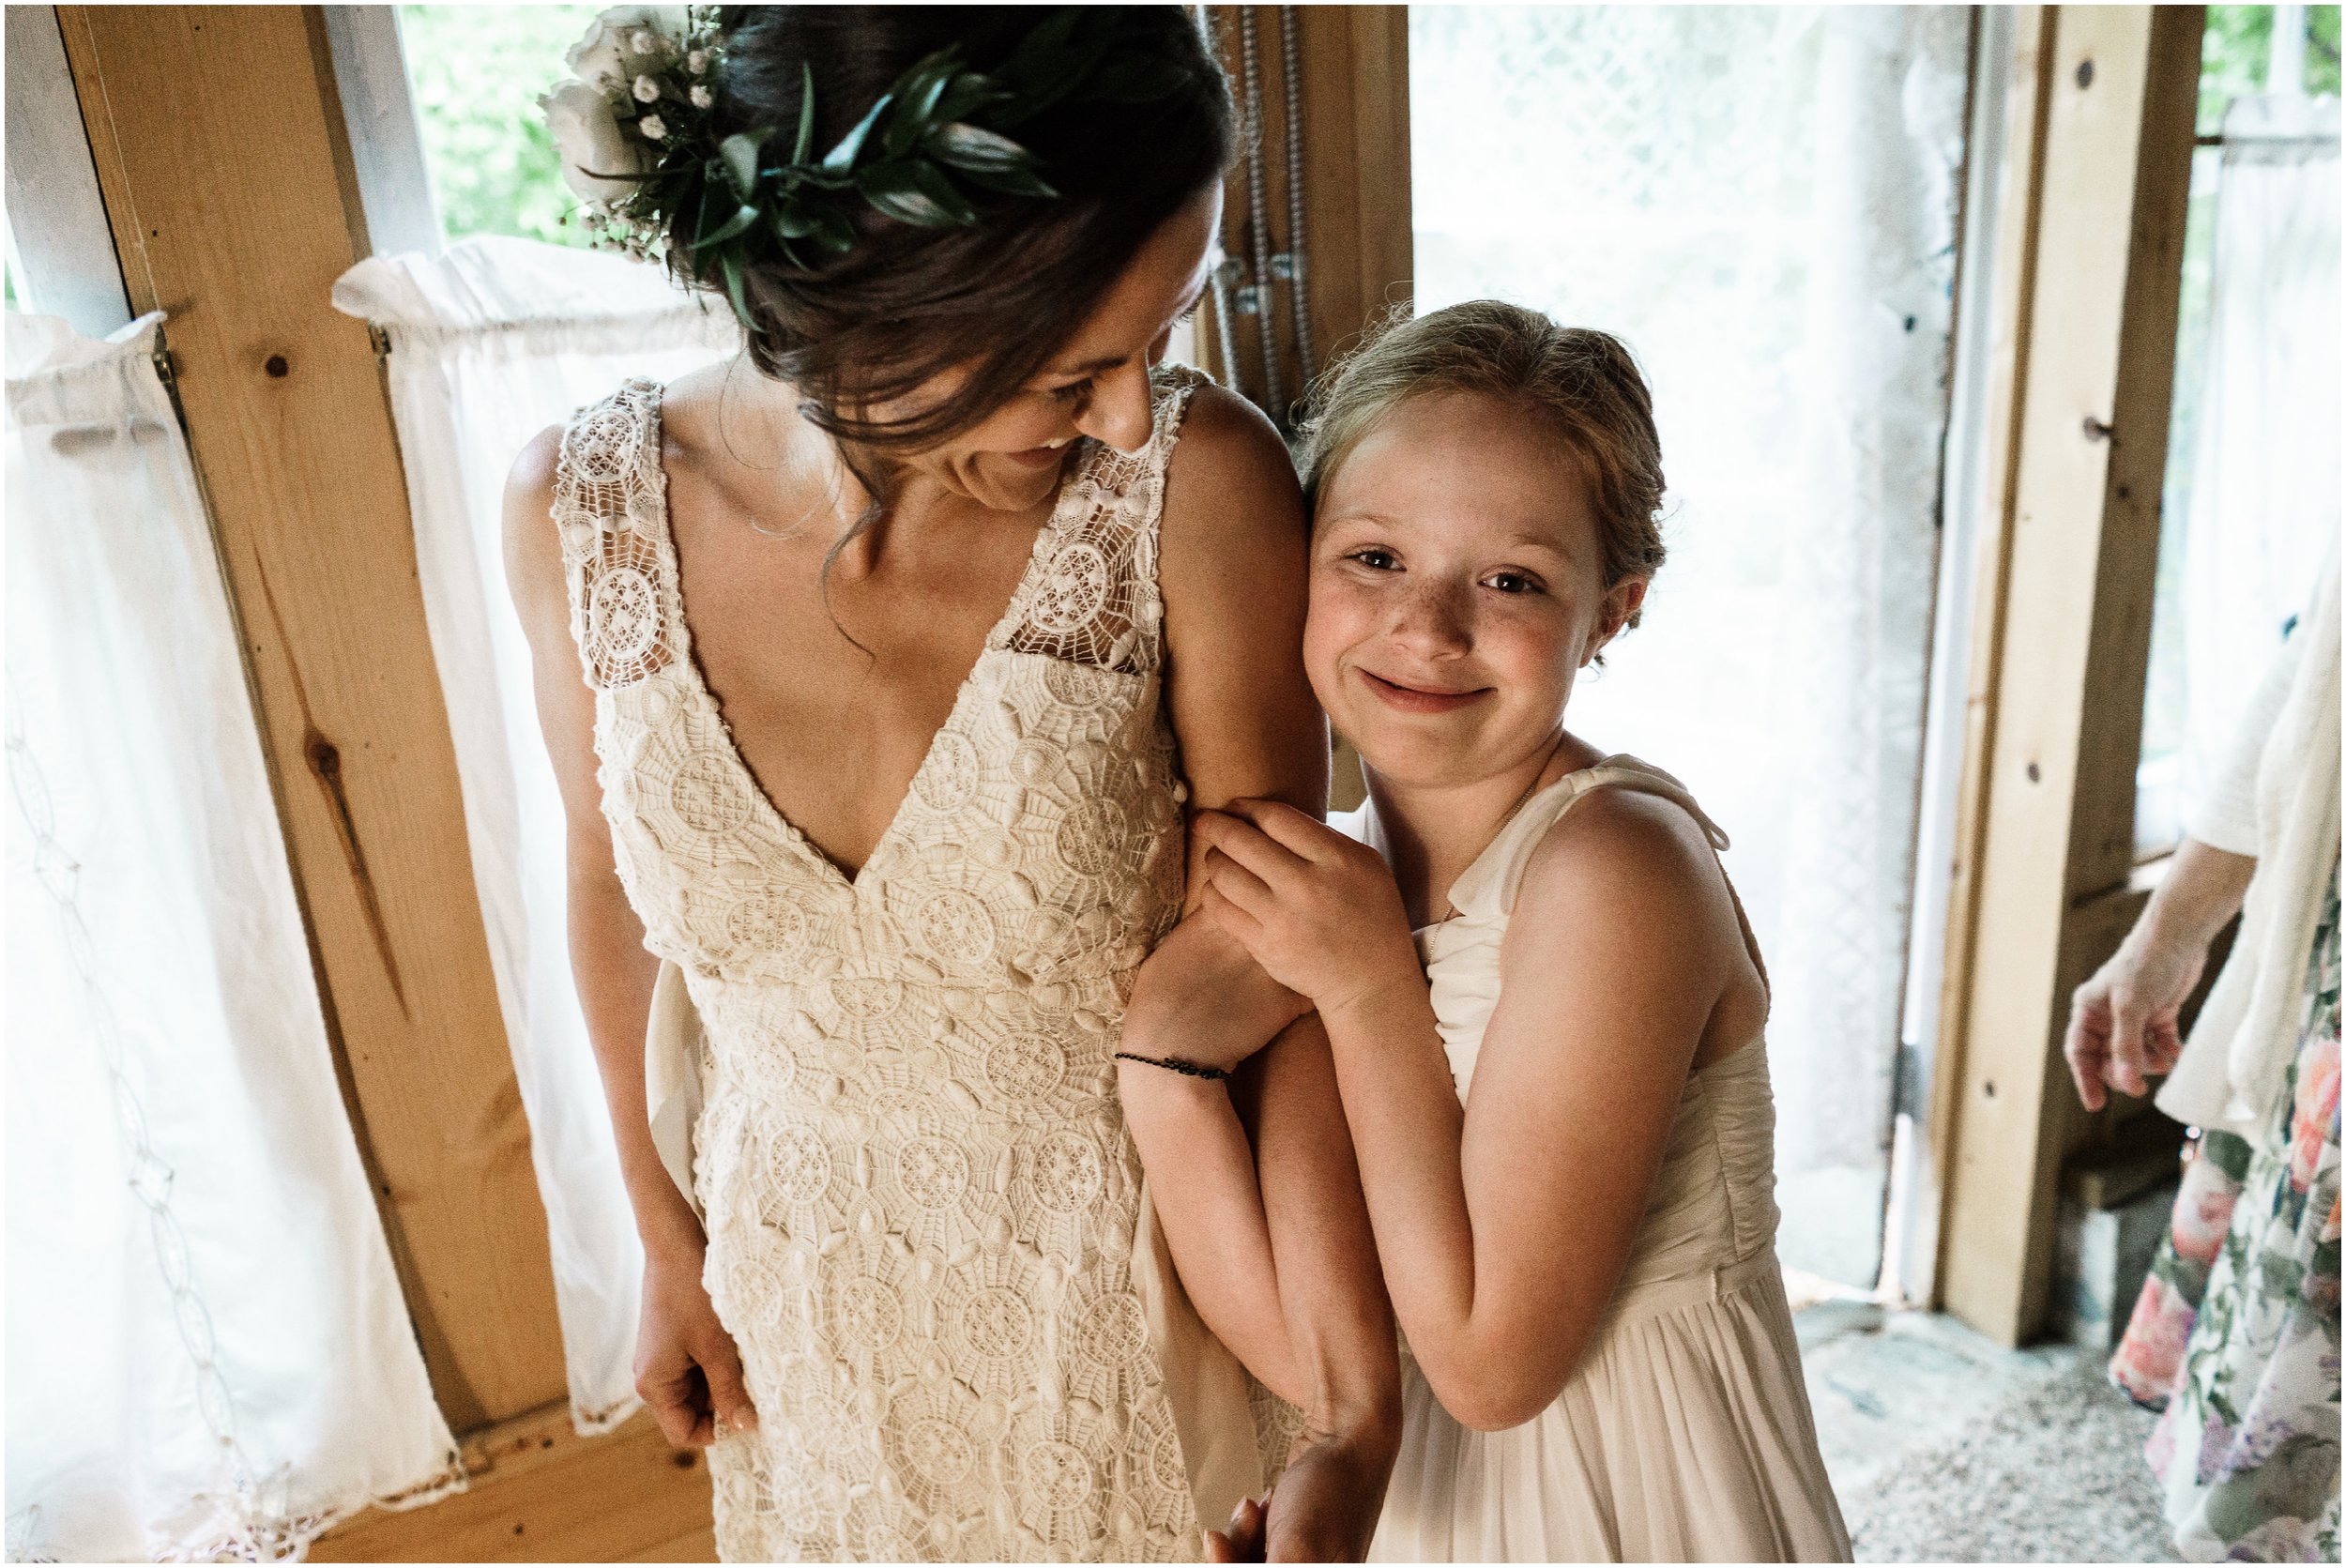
<point x="609" y="504"/>
<point x="1095" y="599"/>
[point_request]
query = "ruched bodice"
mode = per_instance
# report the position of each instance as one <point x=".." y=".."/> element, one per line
<point x="1685" y="1433"/>
<point x="927" y="1227"/>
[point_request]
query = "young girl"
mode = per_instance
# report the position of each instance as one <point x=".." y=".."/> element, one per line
<point x="1566" y="1146"/>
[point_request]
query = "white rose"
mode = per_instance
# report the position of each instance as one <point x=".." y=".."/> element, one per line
<point x="702" y="97"/>
<point x="607" y="56"/>
<point x="587" y="136"/>
<point x="646" y="91"/>
<point x="653" y="127"/>
<point x="697" y="62"/>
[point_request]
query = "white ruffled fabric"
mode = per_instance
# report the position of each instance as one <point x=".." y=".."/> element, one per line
<point x="1685" y="1434"/>
<point x="208" y="1356"/>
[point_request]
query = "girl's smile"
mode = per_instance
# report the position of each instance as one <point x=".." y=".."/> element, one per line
<point x="1422" y="697"/>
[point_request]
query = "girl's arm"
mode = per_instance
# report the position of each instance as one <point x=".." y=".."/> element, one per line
<point x="1503" y="1225"/>
<point x="687" y="1369"/>
<point x="1233" y="572"/>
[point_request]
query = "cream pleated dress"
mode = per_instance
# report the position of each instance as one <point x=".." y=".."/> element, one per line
<point x="928" y="1230"/>
<point x="1684" y="1434"/>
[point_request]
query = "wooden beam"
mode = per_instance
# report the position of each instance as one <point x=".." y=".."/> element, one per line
<point x="220" y="149"/>
<point x="1356" y="169"/>
<point x="540" y="1493"/>
<point x="2098" y="173"/>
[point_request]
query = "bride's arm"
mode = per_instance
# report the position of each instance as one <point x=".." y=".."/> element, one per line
<point x="1233" y="575"/>
<point x="687" y="1369"/>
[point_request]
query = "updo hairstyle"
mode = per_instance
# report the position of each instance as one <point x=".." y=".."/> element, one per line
<point x="998" y="298"/>
<point x="1584" y="384"/>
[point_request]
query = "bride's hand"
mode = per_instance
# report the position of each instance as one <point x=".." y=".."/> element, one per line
<point x="1200" y="996"/>
<point x="687" y="1369"/>
<point x="1324" y="1508"/>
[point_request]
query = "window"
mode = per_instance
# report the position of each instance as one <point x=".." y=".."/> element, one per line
<point x="2229" y="573"/>
<point x="477" y="72"/>
<point x="1760" y="202"/>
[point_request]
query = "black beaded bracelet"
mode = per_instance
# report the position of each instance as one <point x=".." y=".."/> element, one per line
<point x="1175" y="1064"/>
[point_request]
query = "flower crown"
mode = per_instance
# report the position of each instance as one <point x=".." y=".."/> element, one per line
<point x="635" y="132"/>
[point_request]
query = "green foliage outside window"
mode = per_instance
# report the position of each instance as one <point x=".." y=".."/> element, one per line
<point x="2239" y="42"/>
<point x="476" y="72"/>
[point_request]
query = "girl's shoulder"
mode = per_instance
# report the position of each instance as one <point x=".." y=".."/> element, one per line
<point x="1619" y="842"/>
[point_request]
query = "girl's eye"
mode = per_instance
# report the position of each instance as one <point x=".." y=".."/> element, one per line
<point x="1074" y="391"/>
<point x="1511" y="582"/>
<point x="1375" y="559"/>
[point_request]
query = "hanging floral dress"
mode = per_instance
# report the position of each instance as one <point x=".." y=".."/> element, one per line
<point x="2235" y="1334"/>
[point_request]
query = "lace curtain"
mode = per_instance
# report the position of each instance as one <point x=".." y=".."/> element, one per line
<point x="490" y="342"/>
<point x="207" y="1351"/>
<point x="2264" y="501"/>
<point x="1761" y="201"/>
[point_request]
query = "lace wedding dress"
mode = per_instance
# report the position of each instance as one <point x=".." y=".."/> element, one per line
<point x="927" y="1227"/>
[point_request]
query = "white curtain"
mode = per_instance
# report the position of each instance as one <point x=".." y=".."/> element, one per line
<point x="2264" y="479"/>
<point x="207" y="1352"/>
<point x="490" y="342"/>
<point x="1761" y="201"/>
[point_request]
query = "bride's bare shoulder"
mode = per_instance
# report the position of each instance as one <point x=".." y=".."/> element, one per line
<point x="1229" y="480"/>
<point x="699" y="408"/>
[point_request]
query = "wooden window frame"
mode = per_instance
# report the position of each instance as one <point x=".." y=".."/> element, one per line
<point x="2088" y="271"/>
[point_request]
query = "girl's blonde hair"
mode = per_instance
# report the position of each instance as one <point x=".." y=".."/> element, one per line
<point x="1583" y="383"/>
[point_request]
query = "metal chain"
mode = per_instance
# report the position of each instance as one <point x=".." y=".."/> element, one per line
<point x="1291" y="54"/>
<point x="1259" y="210"/>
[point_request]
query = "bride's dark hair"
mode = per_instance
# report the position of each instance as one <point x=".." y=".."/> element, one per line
<point x="996" y="299"/>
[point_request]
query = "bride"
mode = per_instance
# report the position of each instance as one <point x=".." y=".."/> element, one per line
<point x="905" y="642"/>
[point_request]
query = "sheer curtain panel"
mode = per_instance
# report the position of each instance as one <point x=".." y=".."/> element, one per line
<point x="2264" y="480"/>
<point x="490" y="342"/>
<point x="207" y="1352"/>
<point x="1761" y="201"/>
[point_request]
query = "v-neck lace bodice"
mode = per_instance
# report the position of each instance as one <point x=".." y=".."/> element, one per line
<point x="927" y="1230"/>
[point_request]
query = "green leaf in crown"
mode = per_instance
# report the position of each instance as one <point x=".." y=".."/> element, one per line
<point x="639" y="147"/>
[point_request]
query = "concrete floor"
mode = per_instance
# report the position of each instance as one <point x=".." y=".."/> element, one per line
<point x="1943" y="1446"/>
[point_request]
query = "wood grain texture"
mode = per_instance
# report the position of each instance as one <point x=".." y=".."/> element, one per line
<point x="2067" y="612"/>
<point x="2011" y="320"/>
<point x="1356" y="115"/>
<point x="216" y="136"/>
<point x="540" y="1493"/>
<point x="2101" y="849"/>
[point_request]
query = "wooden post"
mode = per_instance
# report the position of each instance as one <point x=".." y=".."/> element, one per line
<point x="228" y="184"/>
<point x="2088" y="270"/>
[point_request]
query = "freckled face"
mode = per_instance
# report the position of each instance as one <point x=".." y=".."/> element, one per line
<point x="1456" y="590"/>
<point x="1096" y="385"/>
